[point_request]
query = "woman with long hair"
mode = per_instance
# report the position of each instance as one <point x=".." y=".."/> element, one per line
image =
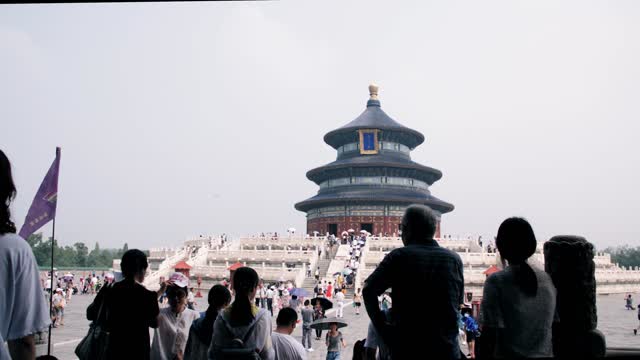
<point x="202" y="329"/>
<point x="23" y="308"/>
<point x="518" y="303"/>
<point x="243" y="328"/>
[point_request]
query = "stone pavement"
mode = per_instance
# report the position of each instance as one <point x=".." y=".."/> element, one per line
<point x="66" y="338"/>
<point x="356" y="330"/>
<point x="613" y="320"/>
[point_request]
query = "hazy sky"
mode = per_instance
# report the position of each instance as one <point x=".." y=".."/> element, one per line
<point x="178" y="119"/>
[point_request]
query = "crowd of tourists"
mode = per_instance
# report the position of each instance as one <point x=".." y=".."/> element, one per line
<point x="414" y="299"/>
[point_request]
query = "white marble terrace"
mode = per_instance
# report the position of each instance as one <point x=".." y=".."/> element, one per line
<point x="286" y="258"/>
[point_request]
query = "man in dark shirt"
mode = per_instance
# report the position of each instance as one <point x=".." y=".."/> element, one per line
<point x="131" y="310"/>
<point x="428" y="288"/>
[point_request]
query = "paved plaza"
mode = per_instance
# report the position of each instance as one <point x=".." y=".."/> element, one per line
<point x="613" y="320"/>
<point x="65" y="338"/>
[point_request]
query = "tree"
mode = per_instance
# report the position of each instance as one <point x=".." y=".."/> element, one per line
<point x="624" y="255"/>
<point x="81" y="254"/>
<point x="77" y="255"/>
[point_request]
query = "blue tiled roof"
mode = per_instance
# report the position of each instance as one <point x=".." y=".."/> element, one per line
<point x="374" y="117"/>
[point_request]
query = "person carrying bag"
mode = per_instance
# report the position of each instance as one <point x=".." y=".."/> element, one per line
<point x="94" y="345"/>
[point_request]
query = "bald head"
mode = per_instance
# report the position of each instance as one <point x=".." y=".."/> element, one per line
<point x="418" y="224"/>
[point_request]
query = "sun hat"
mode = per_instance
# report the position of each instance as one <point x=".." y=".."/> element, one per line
<point x="179" y="279"/>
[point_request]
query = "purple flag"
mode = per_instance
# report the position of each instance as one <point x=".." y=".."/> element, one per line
<point x="43" y="208"/>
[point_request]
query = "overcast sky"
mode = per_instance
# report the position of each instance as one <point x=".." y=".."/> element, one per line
<point x="179" y="119"/>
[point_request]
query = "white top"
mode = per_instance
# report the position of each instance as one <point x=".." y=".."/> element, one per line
<point x="191" y="298"/>
<point x="19" y="281"/>
<point x="172" y="333"/>
<point x="287" y="348"/>
<point x="339" y="297"/>
<point x="523" y="323"/>
<point x="57" y="300"/>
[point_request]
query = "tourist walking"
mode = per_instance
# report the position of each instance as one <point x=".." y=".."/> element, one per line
<point x="243" y="320"/>
<point x="329" y="290"/>
<point x="471" y="331"/>
<point x="201" y="330"/>
<point x="335" y="342"/>
<point x="284" y="345"/>
<point x="318" y="314"/>
<point x="174" y="322"/>
<point x="59" y="303"/>
<point x="357" y="301"/>
<point x="191" y="300"/>
<point x="431" y="304"/>
<point x="339" y="298"/>
<point x="270" y="298"/>
<point x="518" y="303"/>
<point x="131" y="309"/>
<point x="307" y="319"/>
<point x="23" y="308"/>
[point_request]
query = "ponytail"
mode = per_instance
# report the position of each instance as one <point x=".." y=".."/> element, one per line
<point x="245" y="281"/>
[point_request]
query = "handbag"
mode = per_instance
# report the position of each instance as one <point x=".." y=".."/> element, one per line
<point x="94" y="345"/>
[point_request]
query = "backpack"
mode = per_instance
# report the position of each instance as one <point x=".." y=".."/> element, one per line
<point x="359" y="352"/>
<point x="237" y="350"/>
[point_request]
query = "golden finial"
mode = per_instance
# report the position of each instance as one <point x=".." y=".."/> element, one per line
<point x="373" y="91"/>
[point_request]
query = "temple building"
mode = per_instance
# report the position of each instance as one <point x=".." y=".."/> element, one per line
<point x="373" y="179"/>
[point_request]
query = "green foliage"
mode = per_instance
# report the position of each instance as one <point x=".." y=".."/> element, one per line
<point x="624" y="255"/>
<point x="77" y="255"/>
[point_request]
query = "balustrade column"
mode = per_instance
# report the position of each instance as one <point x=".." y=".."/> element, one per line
<point x="569" y="262"/>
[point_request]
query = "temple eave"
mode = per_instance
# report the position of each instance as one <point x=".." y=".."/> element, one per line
<point x="434" y="203"/>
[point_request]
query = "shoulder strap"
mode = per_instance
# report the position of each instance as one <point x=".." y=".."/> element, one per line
<point x="101" y="316"/>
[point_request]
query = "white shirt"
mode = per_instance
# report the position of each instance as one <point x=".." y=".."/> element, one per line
<point x="339" y="296"/>
<point x="191" y="298"/>
<point x="23" y="309"/>
<point x="57" y="299"/>
<point x="172" y="333"/>
<point x="287" y="348"/>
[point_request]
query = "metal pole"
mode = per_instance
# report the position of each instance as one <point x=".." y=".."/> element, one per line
<point x="53" y="241"/>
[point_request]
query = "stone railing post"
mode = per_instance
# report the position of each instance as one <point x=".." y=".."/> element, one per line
<point x="569" y="262"/>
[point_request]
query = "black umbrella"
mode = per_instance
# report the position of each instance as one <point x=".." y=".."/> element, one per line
<point x="325" y="324"/>
<point x="324" y="302"/>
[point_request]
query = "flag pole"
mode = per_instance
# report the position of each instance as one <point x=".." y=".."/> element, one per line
<point x="53" y="241"/>
<point x="53" y="245"/>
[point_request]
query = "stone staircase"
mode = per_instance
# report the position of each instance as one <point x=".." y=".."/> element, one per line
<point x="310" y="282"/>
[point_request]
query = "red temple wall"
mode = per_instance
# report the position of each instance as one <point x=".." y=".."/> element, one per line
<point x="381" y="224"/>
